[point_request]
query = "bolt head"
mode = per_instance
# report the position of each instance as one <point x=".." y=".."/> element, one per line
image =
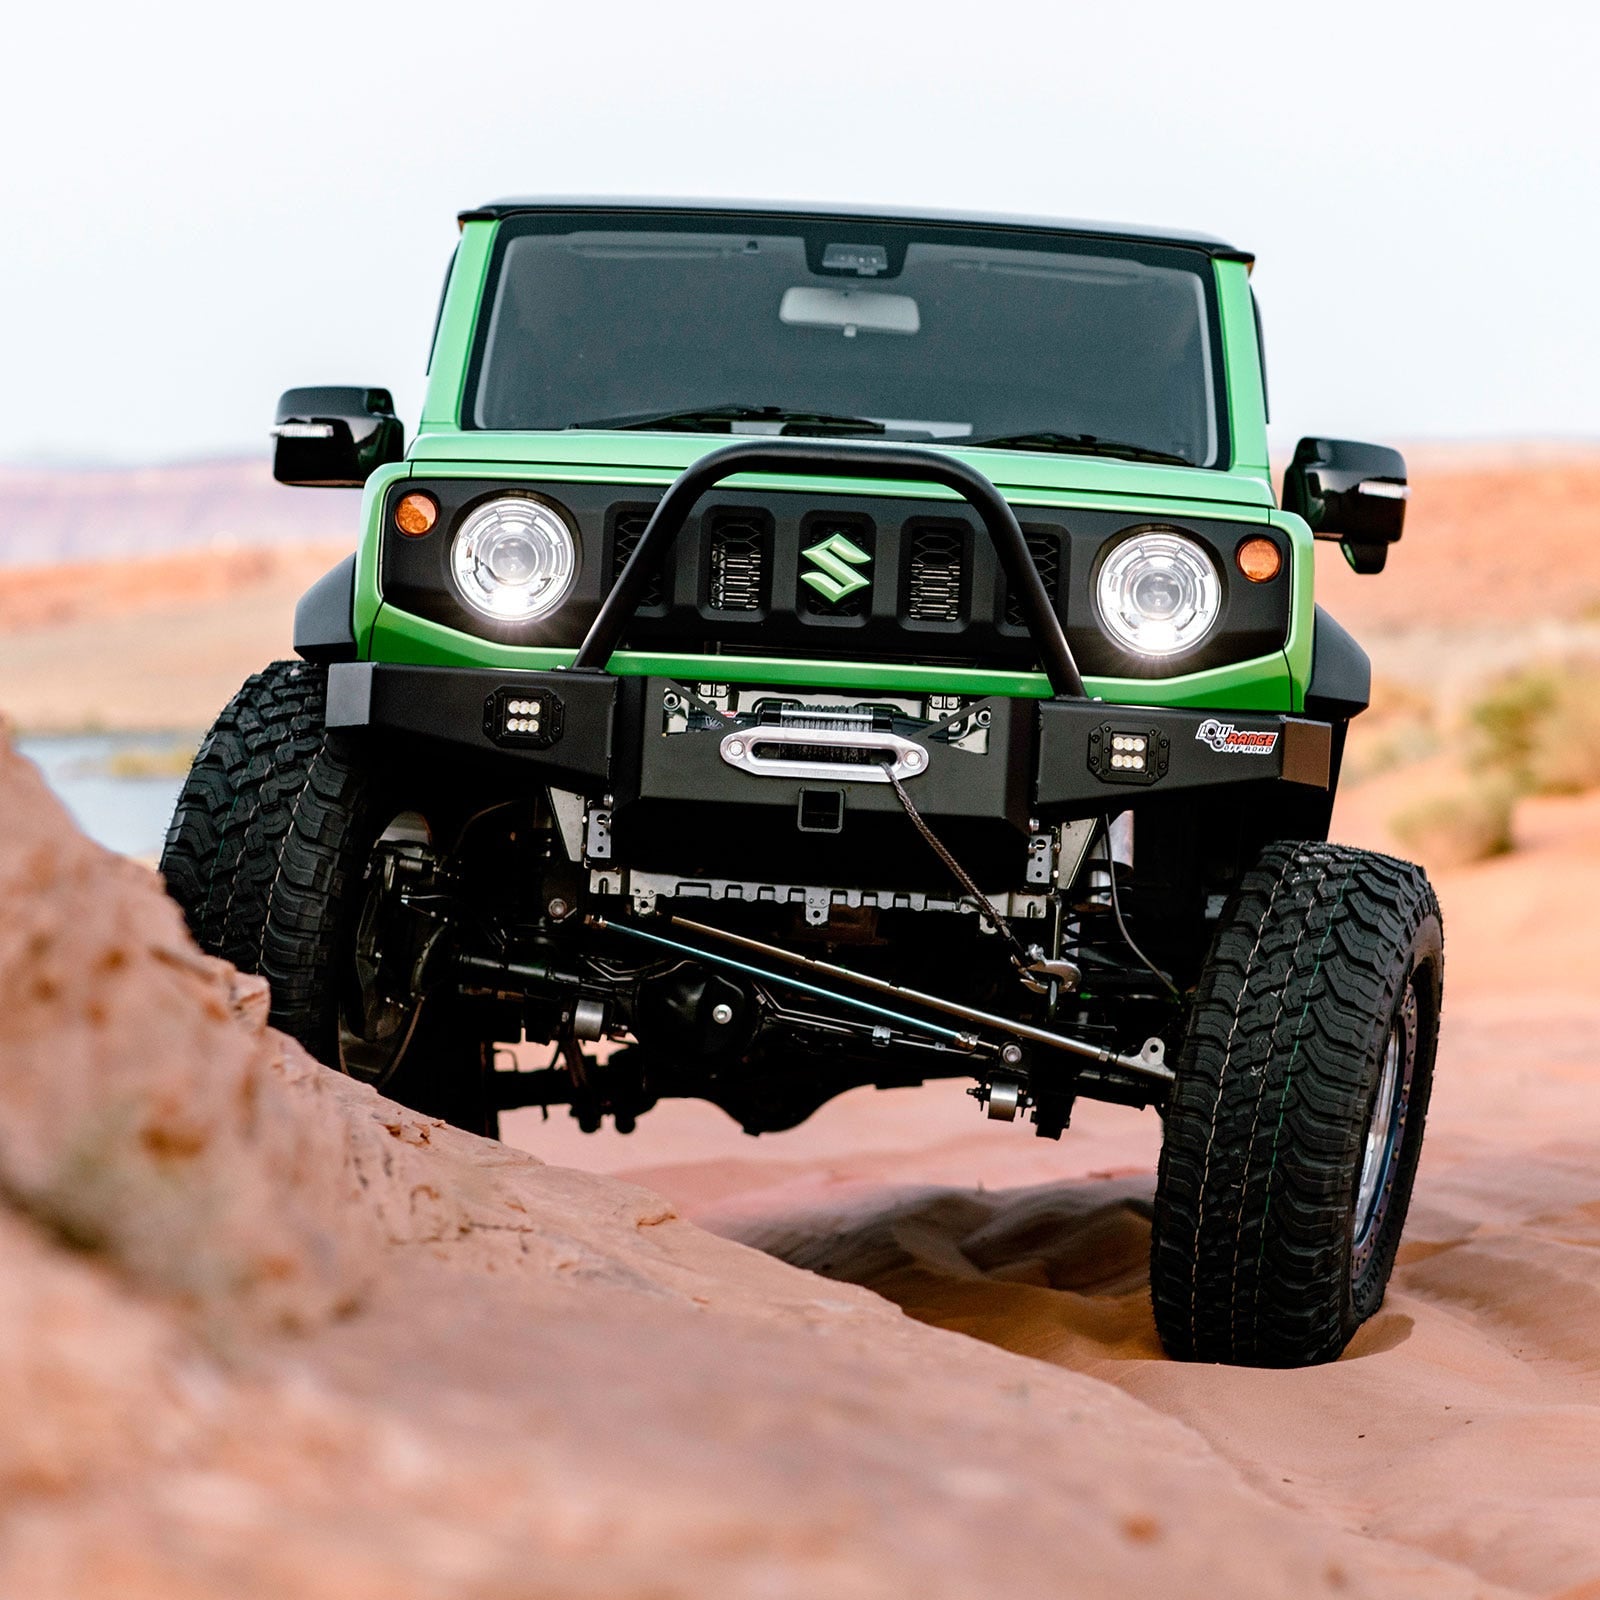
<point x="1011" y="1054"/>
<point x="722" y="1014"/>
<point x="558" y="908"/>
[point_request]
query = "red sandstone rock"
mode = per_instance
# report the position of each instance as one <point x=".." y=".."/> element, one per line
<point x="264" y="1333"/>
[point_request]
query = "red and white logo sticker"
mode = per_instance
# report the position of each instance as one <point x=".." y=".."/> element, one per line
<point x="1228" y="740"/>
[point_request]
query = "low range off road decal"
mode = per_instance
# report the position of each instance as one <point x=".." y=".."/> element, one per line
<point x="1228" y="740"/>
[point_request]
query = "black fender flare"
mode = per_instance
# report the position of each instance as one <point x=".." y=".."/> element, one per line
<point x="324" y="618"/>
<point x="1341" y="672"/>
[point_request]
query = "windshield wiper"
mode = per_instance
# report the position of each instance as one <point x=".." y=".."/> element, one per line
<point x="784" y="421"/>
<point x="1084" y="444"/>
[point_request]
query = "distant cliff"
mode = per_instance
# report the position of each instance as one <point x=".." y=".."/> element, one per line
<point x="52" y="514"/>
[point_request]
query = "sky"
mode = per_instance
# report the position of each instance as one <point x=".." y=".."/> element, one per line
<point x="209" y="204"/>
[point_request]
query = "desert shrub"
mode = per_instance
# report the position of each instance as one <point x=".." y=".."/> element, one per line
<point x="152" y="761"/>
<point x="1460" y="826"/>
<point x="1399" y="728"/>
<point x="1540" y="729"/>
<point x="1505" y="724"/>
<point x="1393" y="701"/>
<point x="1565" y="758"/>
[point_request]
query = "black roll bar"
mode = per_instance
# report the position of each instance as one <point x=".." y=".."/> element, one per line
<point x="827" y="460"/>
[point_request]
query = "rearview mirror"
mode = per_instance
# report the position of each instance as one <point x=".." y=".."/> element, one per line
<point x="851" y="310"/>
<point x="1355" y="493"/>
<point x="335" y="437"/>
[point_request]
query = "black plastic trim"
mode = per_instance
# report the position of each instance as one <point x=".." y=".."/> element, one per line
<point x="1352" y="492"/>
<point x="835" y="461"/>
<point x="415" y="573"/>
<point x="1341" y="672"/>
<point x="324" y="617"/>
<point x="360" y="433"/>
<point x="1133" y="233"/>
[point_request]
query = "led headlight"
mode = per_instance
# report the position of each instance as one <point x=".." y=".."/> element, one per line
<point x="514" y="559"/>
<point x="1158" y="593"/>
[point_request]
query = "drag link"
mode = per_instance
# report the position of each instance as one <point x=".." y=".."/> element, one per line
<point x="965" y="1042"/>
<point x="1148" y="1065"/>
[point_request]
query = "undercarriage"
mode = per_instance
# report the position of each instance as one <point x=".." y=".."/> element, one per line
<point x="766" y="998"/>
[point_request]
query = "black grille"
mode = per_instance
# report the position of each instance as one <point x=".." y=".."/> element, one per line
<point x="1045" y="548"/>
<point x="627" y="525"/>
<point x="740" y="541"/>
<point x="935" y="572"/>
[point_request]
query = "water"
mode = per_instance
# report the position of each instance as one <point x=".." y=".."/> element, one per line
<point x="119" y="787"/>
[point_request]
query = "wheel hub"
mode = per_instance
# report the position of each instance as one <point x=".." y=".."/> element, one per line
<point x="382" y="1000"/>
<point x="1385" y="1129"/>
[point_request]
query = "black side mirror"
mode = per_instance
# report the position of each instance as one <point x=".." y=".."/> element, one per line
<point x="336" y="437"/>
<point x="1355" y="493"/>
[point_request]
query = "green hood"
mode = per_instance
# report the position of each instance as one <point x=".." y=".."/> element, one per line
<point x="1035" y="476"/>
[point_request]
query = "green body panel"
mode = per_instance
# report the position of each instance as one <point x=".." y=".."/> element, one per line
<point x="1242" y="492"/>
<point x="1302" y="608"/>
<point x="619" y="457"/>
<point x="368" y="590"/>
<point x="458" y="318"/>
<point x="1241" y="355"/>
<point x="1258" y="685"/>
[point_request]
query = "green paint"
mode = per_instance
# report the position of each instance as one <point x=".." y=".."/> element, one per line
<point x="834" y="559"/>
<point x="368" y="595"/>
<point x="1262" y="684"/>
<point x="452" y="349"/>
<point x="1302" y="604"/>
<point x="1242" y="493"/>
<point x="1241" y="357"/>
<point x="626" y="457"/>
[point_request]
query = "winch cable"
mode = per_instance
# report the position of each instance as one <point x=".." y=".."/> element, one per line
<point x="1019" y="952"/>
<point x="1116" y="911"/>
<point x="706" y="707"/>
<point x="934" y="730"/>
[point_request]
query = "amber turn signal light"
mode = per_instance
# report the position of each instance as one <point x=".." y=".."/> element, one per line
<point x="1259" y="560"/>
<point x="416" y="514"/>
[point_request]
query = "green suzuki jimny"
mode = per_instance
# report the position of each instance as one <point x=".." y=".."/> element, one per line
<point x="811" y="648"/>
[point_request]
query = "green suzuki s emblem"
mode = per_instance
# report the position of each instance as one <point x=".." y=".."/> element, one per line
<point x="836" y="559"/>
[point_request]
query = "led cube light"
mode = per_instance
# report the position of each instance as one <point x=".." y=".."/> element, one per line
<point x="1130" y="751"/>
<point x="1128" y="755"/>
<point x="516" y="716"/>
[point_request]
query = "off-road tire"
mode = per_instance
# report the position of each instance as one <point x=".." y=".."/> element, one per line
<point x="320" y="848"/>
<point x="1254" y="1259"/>
<point x="254" y="757"/>
<point x="260" y="867"/>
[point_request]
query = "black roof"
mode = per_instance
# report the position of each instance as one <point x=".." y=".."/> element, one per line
<point x="791" y="208"/>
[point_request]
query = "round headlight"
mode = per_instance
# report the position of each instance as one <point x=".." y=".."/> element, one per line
<point x="1158" y="593"/>
<point x="514" y="559"/>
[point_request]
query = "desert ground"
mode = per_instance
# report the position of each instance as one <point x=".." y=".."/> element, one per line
<point x="268" y="1334"/>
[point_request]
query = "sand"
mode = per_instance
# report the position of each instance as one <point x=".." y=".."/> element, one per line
<point x="897" y="1351"/>
<point x="1463" y="1424"/>
<point x="152" y="643"/>
<point x="264" y="1333"/>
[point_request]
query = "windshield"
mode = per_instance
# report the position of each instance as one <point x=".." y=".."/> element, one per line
<point x="1027" y="341"/>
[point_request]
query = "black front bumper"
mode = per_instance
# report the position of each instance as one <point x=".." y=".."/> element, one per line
<point x="1051" y="760"/>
